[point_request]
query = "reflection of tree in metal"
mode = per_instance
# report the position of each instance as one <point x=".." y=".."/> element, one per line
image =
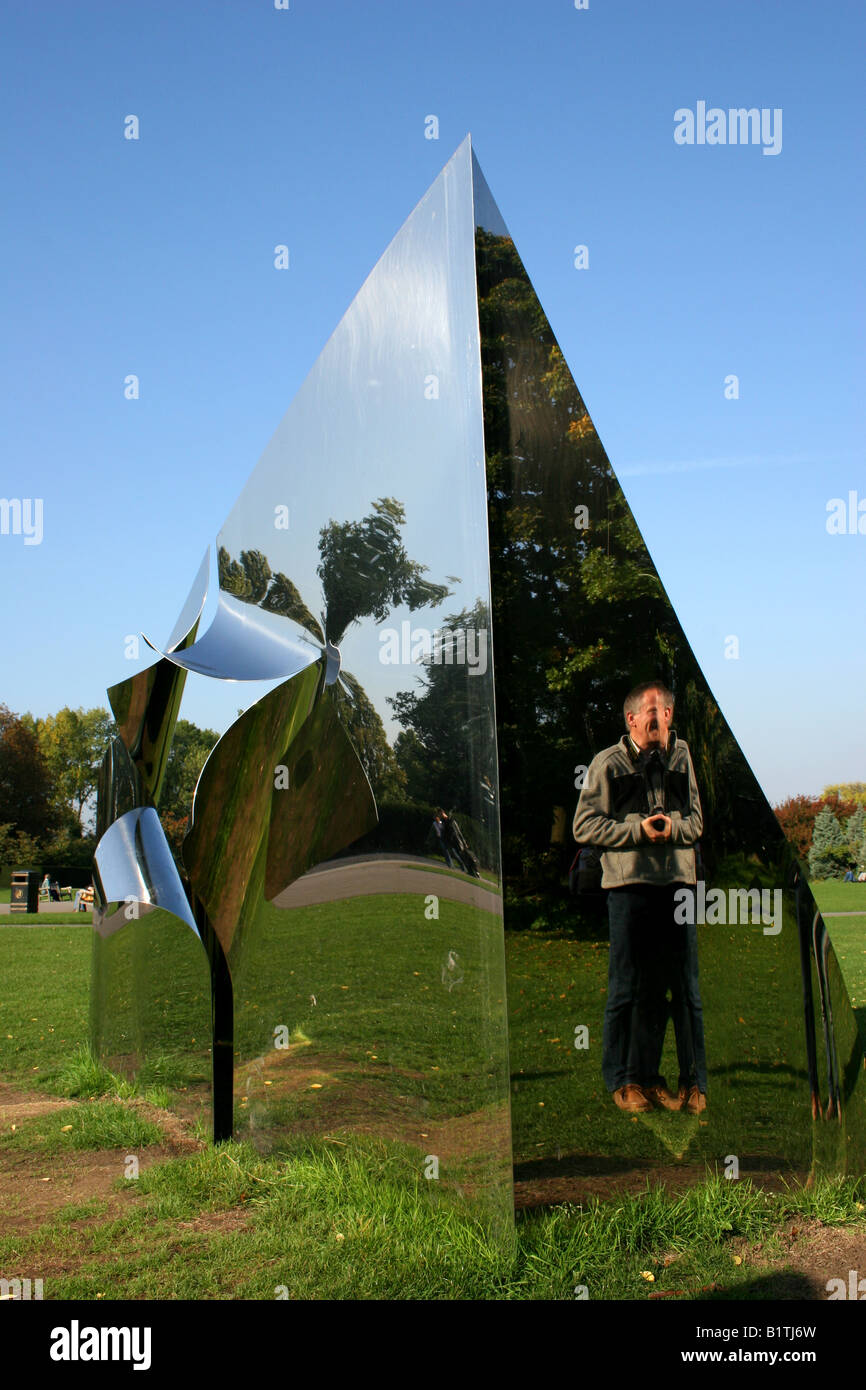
<point x="580" y="616"/>
<point x="284" y="787"/>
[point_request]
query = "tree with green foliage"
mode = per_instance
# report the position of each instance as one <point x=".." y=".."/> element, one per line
<point x="18" y="850"/>
<point x="27" y="803"/>
<point x="579" y="612"/>
<point x="829" y="853"/>
<point x="365" y="570"/>
<point x="362" y="723"/>
<point x="190" y="749"/>
<point x="847" y="791"/>
<point x="855" y="829"/>
<point x="73" y="744"/>
<point x="448" y="710"/>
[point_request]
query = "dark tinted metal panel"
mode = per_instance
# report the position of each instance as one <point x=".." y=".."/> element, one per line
<point x="580" y="618"/>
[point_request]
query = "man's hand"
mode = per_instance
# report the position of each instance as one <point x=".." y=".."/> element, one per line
<point x="664" y="831"/>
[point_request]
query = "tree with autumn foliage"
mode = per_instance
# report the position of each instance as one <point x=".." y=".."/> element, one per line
<point x="27" y="803"/>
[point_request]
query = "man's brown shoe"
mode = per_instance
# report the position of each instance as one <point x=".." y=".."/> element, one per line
<point x="632" y="1099"/>
<point x="661" y="1096"/>
<point x="693" y="1100"/>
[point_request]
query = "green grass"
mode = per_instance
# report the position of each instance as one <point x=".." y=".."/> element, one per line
<point x="832" y="895"/>
<point x="358" y="1223"/>
<point x="46" y="919"/>
<point x="848" y="935"/>
<point x="44" y="999"/>
<point x="755" y="1055"/>
<point x="97" y="1124"/>
<point x="486" y="877"/>
<point x="353" y="1217"/>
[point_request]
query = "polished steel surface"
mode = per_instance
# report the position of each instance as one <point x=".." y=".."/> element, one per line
<point x="438" y="479"/>
<point x="281" y="790"/>
<point x="354" y="569"/>
<point x="580" y="617"/>
<point x="133" y="867"/>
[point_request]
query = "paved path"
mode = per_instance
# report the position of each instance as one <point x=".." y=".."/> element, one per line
<point x="68" y="906"/>
<point x="363" y="876"/>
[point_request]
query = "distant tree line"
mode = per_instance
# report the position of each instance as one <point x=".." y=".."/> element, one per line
<point x="828" y="831"/>
<point x="49" y="771"/>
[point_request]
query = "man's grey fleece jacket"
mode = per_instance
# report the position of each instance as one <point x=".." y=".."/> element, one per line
<point x="617" y="795"/>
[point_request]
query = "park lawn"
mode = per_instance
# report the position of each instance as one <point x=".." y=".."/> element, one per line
<point x="357" y="1221"/>
<point x="381" y="1017"/>
<point x="350" y="1219"/>
<point x="373" y="983"/>
<point x="848" y="935"/>
<point x="832" y="895"/>
<point x="44" y="998"/>
<point x="46" y="919"/>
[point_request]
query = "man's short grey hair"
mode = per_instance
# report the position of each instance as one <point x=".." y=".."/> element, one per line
<point x="633" y="698"/>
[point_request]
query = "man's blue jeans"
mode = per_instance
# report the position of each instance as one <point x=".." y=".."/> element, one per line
<point x="651" y="954"/>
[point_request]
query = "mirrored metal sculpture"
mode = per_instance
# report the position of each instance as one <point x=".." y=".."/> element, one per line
<point x="355" y="954"/>
<point x="693" y="960"/>
<point x="333" y="938"/>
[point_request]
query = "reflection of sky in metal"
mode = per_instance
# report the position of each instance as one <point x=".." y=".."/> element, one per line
<point x="362" y="427"/>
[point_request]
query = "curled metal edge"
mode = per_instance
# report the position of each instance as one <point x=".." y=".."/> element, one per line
<point x="146" y="706"/>
<point x="189" y="615"/>
<point x="133" y="866"/>
<point x="245" y="643"/>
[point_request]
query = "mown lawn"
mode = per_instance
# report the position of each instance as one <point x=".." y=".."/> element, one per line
<point x="340" y="1217"/>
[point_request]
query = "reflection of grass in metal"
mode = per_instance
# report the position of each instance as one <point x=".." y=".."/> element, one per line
<point x="758" y="1101"/>
<point x="832" y="895"/>
<point x="487" y="878"/>
<point x="381" y="1011"/>
<point x="675" y="1129"/>
<point x="848" y="936"/>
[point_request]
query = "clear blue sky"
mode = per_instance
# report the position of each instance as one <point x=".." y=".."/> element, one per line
<point x="306" y="127"/>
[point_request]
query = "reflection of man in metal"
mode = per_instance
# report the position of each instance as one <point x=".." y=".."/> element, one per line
<point x="639" y="805"/>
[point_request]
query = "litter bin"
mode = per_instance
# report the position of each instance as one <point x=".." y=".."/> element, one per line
<point x="24" y="892"/>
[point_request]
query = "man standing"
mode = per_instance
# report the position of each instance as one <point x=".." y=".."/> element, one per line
<point x="640" y="807"/>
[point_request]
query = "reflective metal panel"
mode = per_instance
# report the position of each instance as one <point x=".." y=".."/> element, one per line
<point x="150" y="1007"/>
<point x="608" y="987"/>
<point x="361" y="941"/>
<point x="134" y="866"/>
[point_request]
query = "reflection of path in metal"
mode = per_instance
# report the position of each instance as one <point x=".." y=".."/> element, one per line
<point x="361" y="877"/>
<point x="676" y="1129"/>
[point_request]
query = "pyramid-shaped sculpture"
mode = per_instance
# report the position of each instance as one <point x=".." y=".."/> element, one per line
<point x="331" y="948"/>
